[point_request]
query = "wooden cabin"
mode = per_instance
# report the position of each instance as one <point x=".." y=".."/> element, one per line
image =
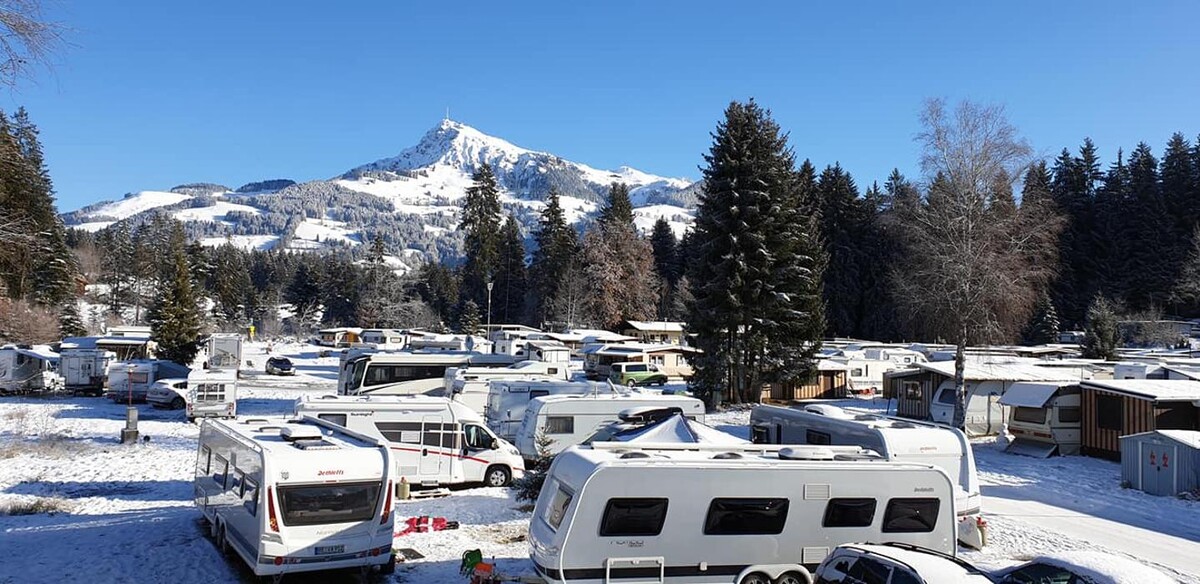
<point x="646" y="331"/>
<point x="1120" y="407"/>
<point x="832" y="381"/>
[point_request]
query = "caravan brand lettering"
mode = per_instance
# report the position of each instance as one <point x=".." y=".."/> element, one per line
<point x="327" y="473"/>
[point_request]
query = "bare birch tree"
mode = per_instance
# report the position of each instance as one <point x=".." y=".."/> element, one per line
<point x="27" y="39"/>
<point x="975" y="264"/>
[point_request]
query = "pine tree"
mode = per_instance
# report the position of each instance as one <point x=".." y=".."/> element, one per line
<point x="1073" y="188"/>
<point x="618" y="209"/>
<point x="70" y="324"/>
<point x="304" y="294"/>
<point x="508" y="294"/>
<point x="481" y="227"/>
<point x="557" y="249"/>
<point x="844" y="224"/>
<point x="437" y="286"/>
<point x="1044" y="327"/>
<point x="1150" y="234"/>
<point x="175" y="316"/>
<point x="469" y="322"/>
<point x="1111" y="237"/>
<point x="756" y="281"/>
<point x="1100" y="331"/>
<point x="117" y="272"/>
<point x="666" y="263"/>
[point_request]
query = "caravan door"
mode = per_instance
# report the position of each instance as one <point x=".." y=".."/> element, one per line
<point x="430" y="466"/>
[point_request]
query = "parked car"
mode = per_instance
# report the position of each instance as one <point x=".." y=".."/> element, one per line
<point x="168" y="393"/>
<point x="280" y="366"/>
<point x="637" y="374"/>
<point x="1081" y="567"/>
<point x="895" y="563"/>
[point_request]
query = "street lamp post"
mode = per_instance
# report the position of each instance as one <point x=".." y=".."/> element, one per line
<point x="489" y="320"/>
<point x="130" y="432"/>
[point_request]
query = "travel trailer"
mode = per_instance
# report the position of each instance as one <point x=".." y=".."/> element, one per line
<point x="406" y="373"/>
<point x="867" y="366"/>
<point x="507" y="399"/>
<point x="752" y="514"/>
<point x="386" y="339"/>
<point x="296" y="495"/>
<point x="224" y="351"/>
<point x="25" y="368"/>
<point x="130" y="380"/>
<point x="211" y="393"/>
<point x="1045" y="418"/>
<point x="470" y="385"/>
<point x="84" y="371"/>
<point x="434" y="441"/>
<point x="567" y="420"/>
<point x="897" y="439"/>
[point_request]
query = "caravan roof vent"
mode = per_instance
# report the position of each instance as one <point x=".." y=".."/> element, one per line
<point x="296" y="432"/>
<point x="635" y="454"/>
<point x="314" y="444"/>
<point x="268" y="428"/>
<point x="866" y="417"/>
<point x="805" y="453"/>
<point x="255" y="421"/>
<point x="726" y="456"/>
<point x="902" y="425"/>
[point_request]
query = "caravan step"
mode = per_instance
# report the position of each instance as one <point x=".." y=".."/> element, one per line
<point x="428" y="494"/>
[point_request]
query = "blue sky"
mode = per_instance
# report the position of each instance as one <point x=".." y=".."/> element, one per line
<point x="153" y="94"/>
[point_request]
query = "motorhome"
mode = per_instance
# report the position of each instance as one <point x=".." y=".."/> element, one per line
<point x="567" y="420"/>
<point x="470" y="385"/>
<point x="866" y="367"/>
<point x="750" y="514"/>
<point x="26" y="368"/>
<point x="130" y="380"/>
<point x="85" y="371"/>
<point x="507" y="399"/>
<point x="211" y="393"/>
<point x="386" y="339"/>
<point x="296" y="495"/>
<point x="897" y="439"/>
<point x="408" y="373"/>
<point x="434" y="441"/>
<point x="224" y="351"/>
<point x="1045" y="418"/>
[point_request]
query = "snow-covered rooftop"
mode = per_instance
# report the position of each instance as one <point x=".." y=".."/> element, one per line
<point x="1161" y="390"/>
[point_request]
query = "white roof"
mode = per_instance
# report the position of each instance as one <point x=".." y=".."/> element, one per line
<point x="1002" y="370"/>
<point x="831" y="365"/>
<point x="42" y="352"/>
<point x="1105" y="568"/>
<point x="1029" y="395"/>
<point x="679" y="429"/>
<point x="1153" y="389"/>
<point x="932" y="567"/>
<point x="1189" y="437"/>
<point x="659" y="326"/>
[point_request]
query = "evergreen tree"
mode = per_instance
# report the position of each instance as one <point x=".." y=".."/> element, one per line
<point x="508" y="294"/>
<point x="1100" y="331"/>
<point x="1044" y="327"/>
<point x="666" y="263"/>
<point x="756" y="281"/>
<point x="437" y="286"/>
<point x="618" y="267"/>
<point x="175" y="316"/>
<point x="117" y="268"/>
<point x="481" y="228"/>
<point x="845" y="221"/>
<point x="1073" y="188"/>
<point x="618" y="209"/>
<point x="304" y="294"/>
<point x="1111" y="237"/>
<point x="557" y="250"/>
<point x="1151" y="246"/>
<point x="70" y="324"/>
<point x="469" y="322"/>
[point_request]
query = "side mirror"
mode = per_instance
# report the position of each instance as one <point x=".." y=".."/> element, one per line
<point x="493" y="444"/>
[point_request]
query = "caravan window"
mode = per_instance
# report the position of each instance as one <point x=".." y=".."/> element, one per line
<point x="220" y="471"/>
<point x="915" y="515"/>
<point x="203" y="461"/>
<point x="1030" y="415"/>
<point x="560" y="424"/>
<point x="633" y="517"/>
<point x="947" y="396"/>
<point x="536" y="393"/>
<point x="815" y="437"/>
<point x="1069" y="415"/>
<point x="339" y="419"/>
<point x="325" y="504"/>
<point x="1109" y="411"/>
<point x="856" y="372"/>
<point x="746" y="517"/>
<point x="557" y="509"/>
<point x="250" y="496"/>
<point x="760" y="435"/>
<point x="849" y="513"/>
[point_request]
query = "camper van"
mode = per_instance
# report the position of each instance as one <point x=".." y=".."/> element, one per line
<point x="131" y="380"/>
<point x="211" y="393"/>
<point x="406" y="373"/>
<point x="84" y="371"/>
<point x="567" y="420"/>
<point x="897" y="439"/>
<point x="752" y="514"/>
<point x="25" y="368"/>
<point x="1045" y="418"/>
<point x="224" y="351"/>
<point x="469" y="385"/>
<point x="434" y="441"/>
<point x="507" y="399"/>
<point x="296" y="495"/>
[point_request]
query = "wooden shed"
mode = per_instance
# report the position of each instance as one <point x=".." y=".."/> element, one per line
<point x="1120" y="407"/>
<point x="1163" y="462"/>
<point x="831" y="381"/>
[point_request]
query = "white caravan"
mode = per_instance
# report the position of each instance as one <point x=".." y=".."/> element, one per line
<point x="507" y="399"/>
<point x="296" y="495"/>
<point x="434" y="441"/>
<point x="898" y="439"/>
<point x="567" y="420"/>
<point x="406" y="373"/>
<point x="753" y="514"/>
<point x="866" y="367"/>
<point x="25" y="368"/>
<point x="518" y="370"/>
<point x="84" y="371"/>
<point x="131" y="380"/>
<point x="984" y="416"/>
<point x="224" y="351"/>
<point x="1045" y="418"/>
<point x="211" y="393"/>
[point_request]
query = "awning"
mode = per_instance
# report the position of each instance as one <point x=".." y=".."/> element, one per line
<point x="1028" y="394"/>
<point x="1026" y="447"/>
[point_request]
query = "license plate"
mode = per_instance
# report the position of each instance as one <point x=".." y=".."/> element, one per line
<point x="323" y="550"/>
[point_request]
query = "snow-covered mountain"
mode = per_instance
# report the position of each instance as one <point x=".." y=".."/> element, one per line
<point x="412" y="199"/>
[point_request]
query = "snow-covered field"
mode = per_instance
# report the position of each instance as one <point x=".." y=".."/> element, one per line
<point x="124" y="513"/>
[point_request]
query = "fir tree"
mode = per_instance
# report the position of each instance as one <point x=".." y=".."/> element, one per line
<point x="508" y="294"/>
<point x="437" y="286"/>
<point x="1100" y="331"/>
<point x="844" y="224"/>
<point x="1044" y="327"/>
<point x="175" y="317"/>
<point x="666" y="263"/>
<point x="304" y="294"/>
<point x="481" y="227"/>
<point x="557" y="250"/>
<point x="618" y="209"/>
<point x="1150" y="241"/>
<point x="117" y="268"/>
<point x="469" y="321"/>
<point x="70" y="324"/>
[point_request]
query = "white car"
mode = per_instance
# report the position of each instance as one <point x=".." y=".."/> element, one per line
<point x="895" y="563"/>
<point x="168" y="393"/>
<point x="1081" y="567"/>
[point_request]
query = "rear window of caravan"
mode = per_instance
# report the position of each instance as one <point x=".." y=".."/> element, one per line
<point x="947" y="396"/>
<point x="911" y="515"/>
<point x="326" y="504"/>
<point x="633" y="517"/>
<point x="1030" y="415"/>
<point x="849" y="513"/>
<point x="1068" y="414"/>
<point x="746" y="517"/>
<point x="560" y="424"/>
<point x="557" y="509"/>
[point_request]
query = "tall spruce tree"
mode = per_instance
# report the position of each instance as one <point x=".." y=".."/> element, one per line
<point x="175" y="315"/>
<point x="481" y="228"/>
<point x="1150" y="235"/>
<point x="844" y="230"/>
<point x="1044" y="327"/>
<point x="557" y="248"/>
<point x="70" y="323"/>
<point x="666" y="263"/>
<point x="618" y="266"/>
<point x="618" y="209"/>
<point x="1100" y="331"/>
<point x="508" y="295"/>
<point x="756" y="281"/>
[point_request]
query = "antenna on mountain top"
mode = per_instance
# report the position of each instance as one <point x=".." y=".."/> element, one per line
<point x="447" y="113"/>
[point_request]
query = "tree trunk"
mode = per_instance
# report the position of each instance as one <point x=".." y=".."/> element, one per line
<point x="960" y="389"/>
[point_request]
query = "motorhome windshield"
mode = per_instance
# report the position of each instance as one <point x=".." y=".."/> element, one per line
<point x="360" y="369"/>
<point x="325" y="504"/>
<point x="477" y="437"/>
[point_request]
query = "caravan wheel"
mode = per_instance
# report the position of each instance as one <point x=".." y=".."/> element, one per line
<point x="756" y="578"/>
<point x="790" y="578"/>
<point x="497" y="476"/>
<point x="222" y="540"/>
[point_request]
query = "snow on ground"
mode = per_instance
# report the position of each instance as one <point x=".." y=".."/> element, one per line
<point x="313" y="233"/>
<point x="245" y="242"/>
<point x="215" y="212"/>
<point x="92" y="226"/>
<point x="127" y="516"/>
<point x="137" y="202"/>
<point x="679" y="218"/>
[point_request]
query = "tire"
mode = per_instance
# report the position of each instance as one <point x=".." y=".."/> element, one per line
<point x="497" y="476"/>
<point x="790" y="578"/>
<point x="222" y="540"/>
<point x="178" y="403"/>
<point x="755" y="578"/>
